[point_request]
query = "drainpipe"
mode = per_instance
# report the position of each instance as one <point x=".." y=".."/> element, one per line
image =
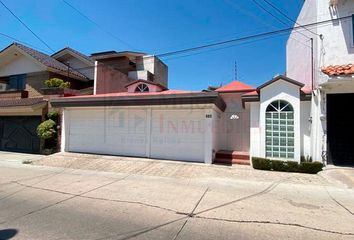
<point x="312" y="67"/>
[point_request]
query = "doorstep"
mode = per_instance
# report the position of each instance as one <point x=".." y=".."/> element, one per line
<point x="226" y="157"/>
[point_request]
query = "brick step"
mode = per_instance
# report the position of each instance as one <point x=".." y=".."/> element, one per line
<point x="228" y="161"/>
<point x="232" y="155"/>
<point x="223" y="161"/>
<point x="241" y="161"/>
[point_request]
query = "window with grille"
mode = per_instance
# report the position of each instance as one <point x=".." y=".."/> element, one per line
<point x="280" y="130"/>
<point x="142" y="88"/>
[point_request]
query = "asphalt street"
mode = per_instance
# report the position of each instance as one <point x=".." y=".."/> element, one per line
<point x="39" y="202"/>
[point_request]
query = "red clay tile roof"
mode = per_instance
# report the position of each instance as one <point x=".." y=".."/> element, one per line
<point x="127" y="94"/>
<point x="253" y="93"/>
<point x="235" y="86"/>
<point x="22" y="102"/>
<point x="335" y="70"/>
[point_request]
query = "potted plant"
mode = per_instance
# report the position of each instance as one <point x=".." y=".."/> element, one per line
<point x="55" y="86"/>
<point x="47" y="131"/>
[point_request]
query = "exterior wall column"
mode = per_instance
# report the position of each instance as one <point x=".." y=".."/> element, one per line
<point x="208" y="131"/>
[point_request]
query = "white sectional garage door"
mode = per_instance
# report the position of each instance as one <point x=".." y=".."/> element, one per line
<point x="178" y="134"/>
<point x="164" y="134"/>
<point x="117" y="132"/>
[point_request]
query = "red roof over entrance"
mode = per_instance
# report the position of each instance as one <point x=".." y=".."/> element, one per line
<point x="235" y="86"/>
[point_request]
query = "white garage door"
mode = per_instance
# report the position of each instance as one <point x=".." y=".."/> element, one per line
<point x="119" y="132"/>
<point x="172" y="134"/>
<point x="178" y="134"/>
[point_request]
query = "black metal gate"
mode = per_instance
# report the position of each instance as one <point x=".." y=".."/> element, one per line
<point x="340" y="129"/>
<point x="18" y="134"/>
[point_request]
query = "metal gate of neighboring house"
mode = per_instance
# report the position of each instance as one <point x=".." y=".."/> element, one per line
<point x="18" y="134"/>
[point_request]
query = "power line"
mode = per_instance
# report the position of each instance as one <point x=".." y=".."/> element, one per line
<point x="286" y="16"/>
<point x="25" y="25"/>
<point x="250" y="37"/>
<point x="17" y="40"/>
<point x="97" y="25"/>
<point x="270" y="13"/>
<point x="256" y="17"/>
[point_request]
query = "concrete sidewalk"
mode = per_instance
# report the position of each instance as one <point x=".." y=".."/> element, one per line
<point x="18" y="158"/>
<point x="174" y="169"/>
<point x="343" y="175"/>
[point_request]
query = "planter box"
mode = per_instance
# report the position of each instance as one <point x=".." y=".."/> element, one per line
<point x="53" y="91"/>
<point x="60" y="91"/>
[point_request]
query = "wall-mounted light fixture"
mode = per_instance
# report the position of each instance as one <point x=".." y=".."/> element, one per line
<point x="234" y="117"/>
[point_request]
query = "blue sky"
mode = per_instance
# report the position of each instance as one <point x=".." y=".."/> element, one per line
<point x="159" y="26"/>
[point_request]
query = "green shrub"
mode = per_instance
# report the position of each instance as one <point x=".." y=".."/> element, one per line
<point x="53" y="115"/>
<point x="310" y="167"/>
<point x="286" y="166"/>
<point x="261" y="163"/>
<point x="46" y="129"/>
<point x="278" y="165"/>
<point x="56" y="83"/>
<point x="292" y="166"/>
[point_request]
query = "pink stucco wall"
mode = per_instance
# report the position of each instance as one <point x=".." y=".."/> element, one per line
<point x="234" y="134"/>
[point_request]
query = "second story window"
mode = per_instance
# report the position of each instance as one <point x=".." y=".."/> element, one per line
<point x="142" y="88"/>
<point x="17" y="82"/>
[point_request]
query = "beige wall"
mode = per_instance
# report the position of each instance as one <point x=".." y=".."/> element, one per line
<point x="34" y="83"/>
<point x="156" y="67"/>
<point x="20" y="64"/>
<point x="80" y="66"/>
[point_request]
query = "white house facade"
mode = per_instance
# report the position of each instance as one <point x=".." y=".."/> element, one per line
<point x="303" y="114"/>
<point x="279" y="112"/>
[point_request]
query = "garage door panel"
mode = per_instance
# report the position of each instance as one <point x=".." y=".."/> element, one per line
<point x="178" y="134"/>
<point x="173" y="134"/>
<point x="119" y="132"/>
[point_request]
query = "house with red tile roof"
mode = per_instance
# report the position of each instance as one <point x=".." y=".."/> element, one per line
<point x="302" y="114"/>
<point x="145" y="120"/>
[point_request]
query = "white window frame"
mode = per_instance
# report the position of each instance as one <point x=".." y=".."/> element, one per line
<point x="142" y="87"/>
<point x="275" y="134"/>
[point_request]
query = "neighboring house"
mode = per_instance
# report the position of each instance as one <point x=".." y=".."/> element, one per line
<point x="23" y="102"/>
<point x="330" y="77"/>
<point x="307" y="112"/>
<point x="116" y="69"/>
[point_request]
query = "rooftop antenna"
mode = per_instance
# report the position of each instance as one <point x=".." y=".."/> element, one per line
<point x="235" y="70"/>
